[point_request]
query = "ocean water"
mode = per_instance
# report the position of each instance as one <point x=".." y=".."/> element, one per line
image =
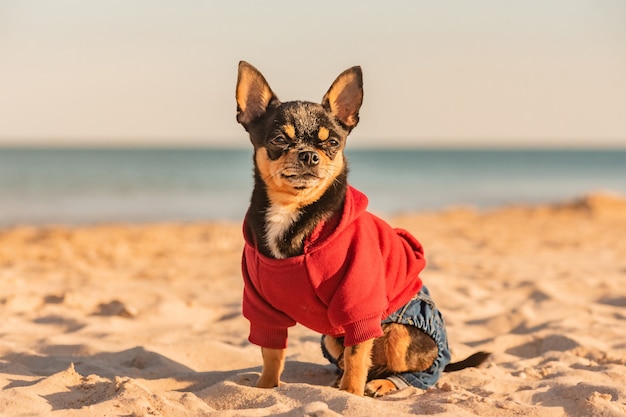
<point x="78" y="186"/>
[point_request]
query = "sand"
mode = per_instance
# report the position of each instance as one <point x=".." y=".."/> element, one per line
<point x="144" y="320"/>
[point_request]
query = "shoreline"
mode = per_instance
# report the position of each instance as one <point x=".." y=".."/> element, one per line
<point x="144" y="319"/>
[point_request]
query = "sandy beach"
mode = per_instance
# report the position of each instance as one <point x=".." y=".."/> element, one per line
<point x="145" y="320"/>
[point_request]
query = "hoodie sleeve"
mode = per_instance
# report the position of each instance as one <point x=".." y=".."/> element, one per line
<point x="268" y="326"/>
<point x="360" y="299"/>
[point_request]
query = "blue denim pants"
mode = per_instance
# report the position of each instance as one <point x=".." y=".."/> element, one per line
<point x="422" y="313"/>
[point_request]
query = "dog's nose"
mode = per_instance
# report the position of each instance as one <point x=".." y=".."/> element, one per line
<point x="309" y="158"/>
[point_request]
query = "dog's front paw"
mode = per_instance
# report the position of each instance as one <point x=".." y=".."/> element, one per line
<point x="352" y="385"/>
<point x="379" y="387"/>
<point x="356" y="390"/>
<point x="267" y="382"/>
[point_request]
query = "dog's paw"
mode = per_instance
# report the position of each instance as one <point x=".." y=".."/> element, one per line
<point x="267" y="382"/>
<point x="356" y="390"/>
<point x="379" y="387"/>
<point x="351" y="386"/>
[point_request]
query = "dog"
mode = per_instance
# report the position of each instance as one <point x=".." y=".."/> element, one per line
<point x="315" y="255"/>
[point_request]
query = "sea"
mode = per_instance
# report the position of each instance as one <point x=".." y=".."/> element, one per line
<point x="75" y="186"/>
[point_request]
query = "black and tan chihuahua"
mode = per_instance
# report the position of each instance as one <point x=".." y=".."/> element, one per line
<point x="300" y="183"/>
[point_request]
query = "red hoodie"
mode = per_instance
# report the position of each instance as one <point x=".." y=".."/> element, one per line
<point x="354" y="272"/>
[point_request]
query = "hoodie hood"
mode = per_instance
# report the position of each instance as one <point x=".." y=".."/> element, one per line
<point x="355" y="205"/>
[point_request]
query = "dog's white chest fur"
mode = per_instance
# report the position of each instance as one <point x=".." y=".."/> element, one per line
<point x="278" y="220"/>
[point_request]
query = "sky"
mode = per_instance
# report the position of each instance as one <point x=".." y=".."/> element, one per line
<point x="436" y="73"/>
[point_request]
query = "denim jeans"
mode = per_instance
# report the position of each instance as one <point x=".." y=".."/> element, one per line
<point x="422" y="313"/>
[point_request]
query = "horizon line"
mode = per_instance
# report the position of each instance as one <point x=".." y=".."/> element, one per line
<point x="368" y="146"/>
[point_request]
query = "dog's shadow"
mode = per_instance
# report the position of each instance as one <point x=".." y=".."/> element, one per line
<point x="295" y="372"/>
<point x="114" y="368"/>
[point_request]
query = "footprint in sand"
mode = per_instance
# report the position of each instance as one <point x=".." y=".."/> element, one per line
<point x="115" y="308"/>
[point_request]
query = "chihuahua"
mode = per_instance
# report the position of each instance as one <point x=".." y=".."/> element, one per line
<point x="314" y="255"/>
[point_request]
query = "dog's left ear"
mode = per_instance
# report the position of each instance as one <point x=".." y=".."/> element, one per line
<point x="253" y="94"/>
<point x="343" y="99"/>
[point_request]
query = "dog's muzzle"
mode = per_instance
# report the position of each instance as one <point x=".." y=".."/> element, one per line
<point x="309" y="158"/>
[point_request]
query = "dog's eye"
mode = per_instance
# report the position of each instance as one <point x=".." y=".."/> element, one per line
<point x="278" y="141"/>
<point x="333" y="143"/>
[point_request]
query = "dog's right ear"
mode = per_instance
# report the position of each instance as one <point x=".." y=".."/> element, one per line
<point x="344" y="98"/>
<point x="253" y="94"/>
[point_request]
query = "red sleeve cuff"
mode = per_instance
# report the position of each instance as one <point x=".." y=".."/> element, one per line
<point x="362" y="330"/>
<point x="268" y="337"/>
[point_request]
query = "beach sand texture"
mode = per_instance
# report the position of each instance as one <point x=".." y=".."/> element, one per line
<point x="144" y="320"/>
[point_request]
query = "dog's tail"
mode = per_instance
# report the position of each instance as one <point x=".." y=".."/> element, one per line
<point x="471" y="361"/>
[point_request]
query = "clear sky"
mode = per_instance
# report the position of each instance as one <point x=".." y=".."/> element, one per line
<point x="437" y="73"/>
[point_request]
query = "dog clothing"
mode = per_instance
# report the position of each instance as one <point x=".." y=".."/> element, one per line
<point x="355" y="271"/>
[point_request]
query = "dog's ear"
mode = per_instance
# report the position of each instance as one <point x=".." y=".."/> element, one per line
<point x="253" y="94"/>
<point x="343" y="99"/>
